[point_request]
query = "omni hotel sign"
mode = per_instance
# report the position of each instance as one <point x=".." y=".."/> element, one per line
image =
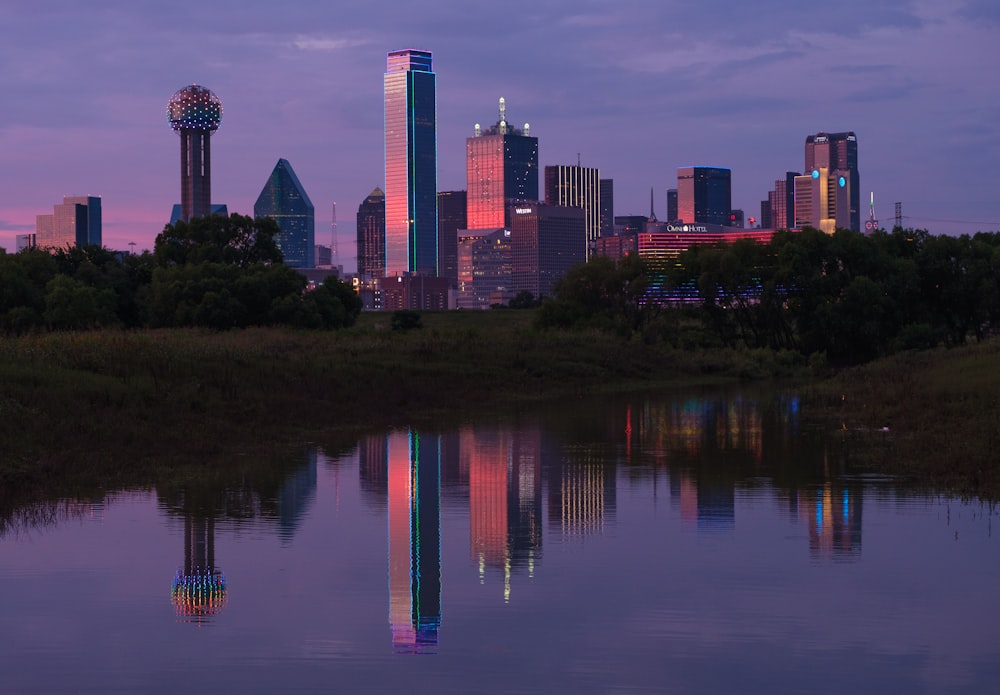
<point x="686" y="228"/>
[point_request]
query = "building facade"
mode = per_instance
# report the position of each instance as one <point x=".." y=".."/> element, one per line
<point x="501" y="166"/>
<point x="823" y="200"/>
<point x="76" y="222"/>
<point x="580" y="187"/>
<point x="484" y="268"/>
<point x="451" y="218"/>
<point x="411" y="229"/>
<point x="546" y="241"/>
<point x="607" y="210"/>
<point x="371" y="235"/>
<point x="704" y="195"/>
<point x="284" y="200"/>
<point x="781" y="203"/>
<point x="838" y="153"/>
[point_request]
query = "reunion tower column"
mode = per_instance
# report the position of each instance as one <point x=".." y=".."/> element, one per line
<point x="195" y="113"/>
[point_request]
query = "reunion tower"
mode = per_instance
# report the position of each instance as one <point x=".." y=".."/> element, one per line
<point x="195" y="113"/>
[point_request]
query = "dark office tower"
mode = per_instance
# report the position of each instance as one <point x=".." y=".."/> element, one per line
<point x="672" y="205"/>
<point x="451" y="218"/>
<point x="838" y="152"/>
<point x="704" y="194"/>
<point x="285" y="201"/>
<point x="410" y="164"/>
<point x="578" y="187"/>
<point x="195" y="113"/>
<point x="545" y="242"/>
<point x="765" y="213"/>
<point x="607" y="207"/>
<point x="371" y="235"/>
<point x="501" y="166"/>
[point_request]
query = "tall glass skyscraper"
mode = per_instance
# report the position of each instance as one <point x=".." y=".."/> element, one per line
<point x="410" y="164"/>
<point x="704" y="194"/>
<point x="838" y="152"/>
<point x="501" y="166"/>
<point x="578" y="187"/>
<point x="285" y="201"/>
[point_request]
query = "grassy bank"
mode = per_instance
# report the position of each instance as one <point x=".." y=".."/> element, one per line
<point x="127" y="406"/>
<point x="124" y="408"/>
<point x="933" y="416"/>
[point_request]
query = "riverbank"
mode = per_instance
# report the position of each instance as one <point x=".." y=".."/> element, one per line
<point x="114" y="408"/>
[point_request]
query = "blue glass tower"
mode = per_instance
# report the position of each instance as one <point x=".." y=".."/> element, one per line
<point x="410" y="164"/>
<point x="285" y="201"/>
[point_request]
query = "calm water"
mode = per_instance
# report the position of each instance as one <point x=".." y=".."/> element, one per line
<point x="705" y="543"/>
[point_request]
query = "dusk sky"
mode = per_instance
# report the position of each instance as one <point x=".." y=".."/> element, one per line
<point x="636" y="88"/>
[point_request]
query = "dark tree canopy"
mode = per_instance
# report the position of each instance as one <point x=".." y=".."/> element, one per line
<point x="235" y="240"/>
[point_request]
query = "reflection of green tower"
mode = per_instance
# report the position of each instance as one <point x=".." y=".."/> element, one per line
<point x="414" y="472"/>
<point x="199" y="589"/>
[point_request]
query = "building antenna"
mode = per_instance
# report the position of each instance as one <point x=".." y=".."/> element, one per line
<point x="578" y="159"/>
<point x="652" y="215"/>
<point x="872" y="224"/>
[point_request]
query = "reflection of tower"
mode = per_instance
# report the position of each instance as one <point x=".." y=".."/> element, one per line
<point x="582" y="494"/>
<point x="199" y="589"/>
<point x="834" y="522"/>
<point x="295" y="497"/>
<point x="195" y="113"/>
<point x="505" y="504"/>
<point x="414" y="472"/>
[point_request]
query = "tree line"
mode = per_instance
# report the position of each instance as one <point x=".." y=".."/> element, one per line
<point x="218" y="272"/>
<point x="846" y="296"/>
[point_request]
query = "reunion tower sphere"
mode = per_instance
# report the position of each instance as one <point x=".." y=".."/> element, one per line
<point x="194" y="108"/>
<point x="195" y="113"/>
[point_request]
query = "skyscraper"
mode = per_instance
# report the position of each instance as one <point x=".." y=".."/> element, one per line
<point x="501" y="166"/>
<point x="410" y="164"/>
<point x="77" y="222"/>
<point x="194" y="113"/>
<point x="704" y="194"/>
<point x="284" y="200"/>
<point x="546" y="241"/>
<point x="371" y="235"/>
<point x="579" y="187"/>
<point x="607" y="207"/>
<point x="451" y="217"/>
<point x="782" y="202"/>
<point x="838" y="153"/>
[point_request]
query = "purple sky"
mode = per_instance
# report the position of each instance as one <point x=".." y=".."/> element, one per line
<point x="637" y="88"/>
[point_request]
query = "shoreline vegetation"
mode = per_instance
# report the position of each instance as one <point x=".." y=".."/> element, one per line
<point x="107" y="409"/>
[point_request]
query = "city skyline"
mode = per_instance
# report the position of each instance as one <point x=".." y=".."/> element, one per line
<point x="623" y="89"/>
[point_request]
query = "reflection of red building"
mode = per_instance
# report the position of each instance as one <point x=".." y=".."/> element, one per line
<point x="504" y="499"/>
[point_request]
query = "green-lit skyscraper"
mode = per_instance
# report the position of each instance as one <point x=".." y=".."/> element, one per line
<point x="410" y="164"/>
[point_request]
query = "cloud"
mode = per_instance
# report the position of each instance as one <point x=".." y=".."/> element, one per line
<point x="326" y="43"/>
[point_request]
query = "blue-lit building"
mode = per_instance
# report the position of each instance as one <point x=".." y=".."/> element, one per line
<point x="284" y="200"/>
<point x="410" y="164"/>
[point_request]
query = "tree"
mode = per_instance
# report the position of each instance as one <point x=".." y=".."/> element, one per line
<point x="235" y="240"/>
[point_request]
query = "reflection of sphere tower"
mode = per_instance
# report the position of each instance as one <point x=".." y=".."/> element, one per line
<point x="195" y="113"/>
<point x="199" y="590"/>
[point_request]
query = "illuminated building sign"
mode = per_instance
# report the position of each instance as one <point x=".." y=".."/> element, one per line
<point x="523" y="211"/>
<point x="686" y="228"/>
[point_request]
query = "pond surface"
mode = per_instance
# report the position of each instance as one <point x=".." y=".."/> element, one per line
<point x="657" y="544"/>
